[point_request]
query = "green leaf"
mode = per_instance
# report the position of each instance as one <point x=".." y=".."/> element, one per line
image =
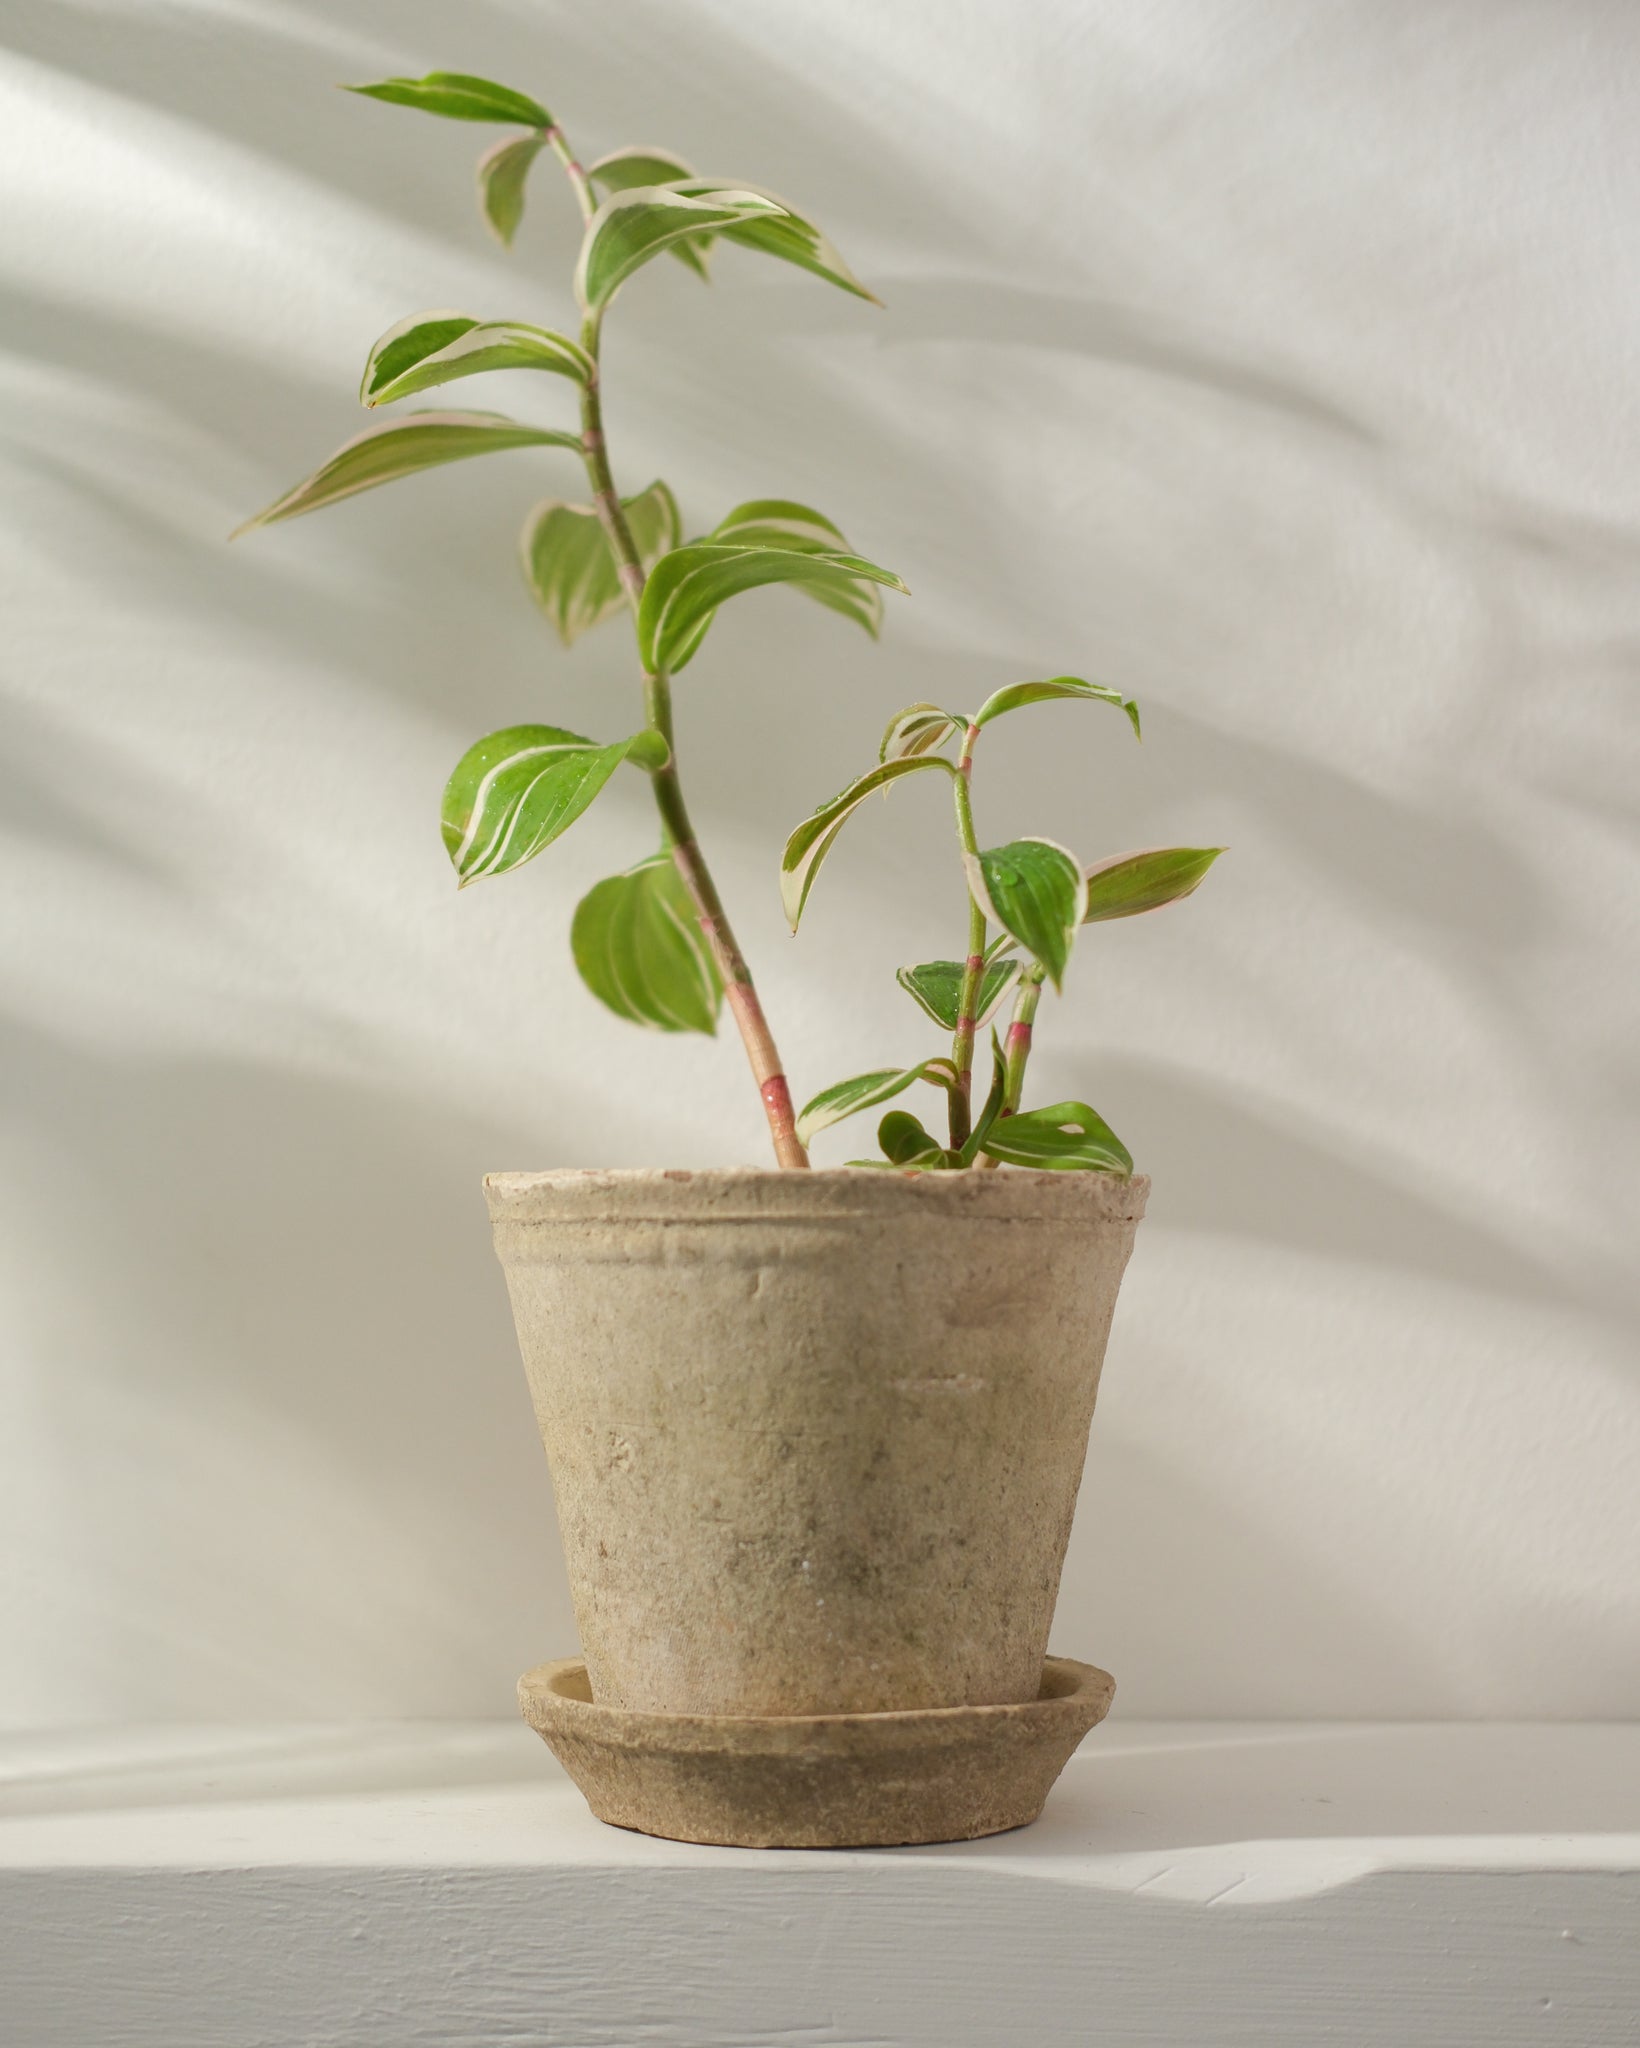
<point x="781" y="231"/>
<point x="988" y="1115"/>
<point x="632" y="226"/>
<point x="1067" y="1137"/>
<point x="865" y="1091"/>
<point x="681" y="598"/>
<point x="458" y="97"/>
<point x="1034" y="889"/>
<point x="639" y="948"/>
<point x="937" y="987"/>
<point x="903" y="1138"/>
<point x="918" y="729"/>
<point x="567" y="560"/>
<point x="813" y="839"/>
<point x="503" y="171"/>
<point x="514" y="792"/>
<point x="1016" y="694"/>
<point x="435" y="348"/>
<point x="622" y="169"/>
<point x="1133" y="882"/>
<point x="399" y="447"/>
<point x="782" y="523"/>
<point x="409" y="343"/>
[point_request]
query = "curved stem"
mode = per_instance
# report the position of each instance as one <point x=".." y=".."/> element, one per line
<point x="973" y="972"/>
<point x="558" y="143"/>
<point x="739" y="989"/>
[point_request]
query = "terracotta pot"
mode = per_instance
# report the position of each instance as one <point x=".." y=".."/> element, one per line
<point x="816" y="1438"/>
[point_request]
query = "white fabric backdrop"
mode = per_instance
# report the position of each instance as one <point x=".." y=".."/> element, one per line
<point x="1274" y="361"/>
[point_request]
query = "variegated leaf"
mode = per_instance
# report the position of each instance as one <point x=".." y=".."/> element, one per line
<point x="1016" y="694"/>
<point x="813" y="840"/>
<point x="782" y="523"/>
<point x="1135" y="882"/>
<point x="639" y="948"/>
<point x="1066" y="1137"/>
<point x="918" y="729"/>
<point x="682" y="596"/>
<point x="936" y="986"/>
<point x="622" y="169"/>
<point x="780" y="231"/>
<point x="400" y="447"/>
<point x="514" y="792"/>
<point x="458" y="96"/>
<point x="436" y="348"/>
<point x="567" y="560"/>
<point x="1035" y="890"/>
<point x="865" y="1091"/>
<point x="630" y="227"/>
<point x="503" y="172"/>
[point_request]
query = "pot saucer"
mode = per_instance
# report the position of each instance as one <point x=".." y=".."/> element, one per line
<point x="824" y="1781"/>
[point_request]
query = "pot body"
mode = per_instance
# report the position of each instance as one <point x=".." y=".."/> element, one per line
<point x="815" y="1438"/>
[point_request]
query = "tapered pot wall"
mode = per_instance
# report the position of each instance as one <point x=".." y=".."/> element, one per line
<point x="816" y="1438"/>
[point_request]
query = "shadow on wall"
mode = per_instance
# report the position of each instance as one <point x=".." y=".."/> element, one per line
<point x="283" y="1359"/>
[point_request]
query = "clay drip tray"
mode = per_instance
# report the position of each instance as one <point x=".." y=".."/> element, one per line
<point x="825" y="1781"/>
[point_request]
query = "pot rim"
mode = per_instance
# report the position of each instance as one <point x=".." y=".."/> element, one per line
<point x="576" y="1193"/>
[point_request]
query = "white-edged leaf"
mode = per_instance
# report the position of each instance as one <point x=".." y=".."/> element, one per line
<point x="936" y="986"/>
<point x="812" y="841"/>
<point x="516" y="790"/>
<point x="682" y="596"/>
<point x="503" y="172"/>
<point x="638" y="945"/>
<point x="435" y="348"/>
<point x="918" y="729"/>
<point x="865" y="1091"/>
<point x="632" y="226"/>
<point x="1014" y="695"/>
<point x="399" y="447"/>
<point x="1035" y="890"/>
<point x="622" y="169"/>
<point x="1134" y="882"/>
<point x="780" y="231"/>
<point x="1066" y="1137"/>
<point x="641" y="164"/>
<point x="567" y="560"/>
<point x="459" y="96"/>
<point x="782" y="523"/>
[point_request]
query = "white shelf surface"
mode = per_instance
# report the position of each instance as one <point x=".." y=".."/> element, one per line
<point x="413" y="1884"/>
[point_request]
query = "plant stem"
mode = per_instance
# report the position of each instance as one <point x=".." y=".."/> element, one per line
<point x="973" y="972"/>
<point x="741" y="993"/>
<point x="1016" y="1048"/>
<point x="558" y="141"/>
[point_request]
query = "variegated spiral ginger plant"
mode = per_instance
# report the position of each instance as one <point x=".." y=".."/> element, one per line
<point x="654" y="943"/>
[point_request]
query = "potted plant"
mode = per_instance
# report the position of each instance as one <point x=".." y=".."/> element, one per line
<point x="815" y="1437"/>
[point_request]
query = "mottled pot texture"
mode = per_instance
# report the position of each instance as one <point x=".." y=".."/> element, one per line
<point x="816" y="1438"/>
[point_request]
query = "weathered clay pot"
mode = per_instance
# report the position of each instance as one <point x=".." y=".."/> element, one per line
<point x="816" y="1438"/>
